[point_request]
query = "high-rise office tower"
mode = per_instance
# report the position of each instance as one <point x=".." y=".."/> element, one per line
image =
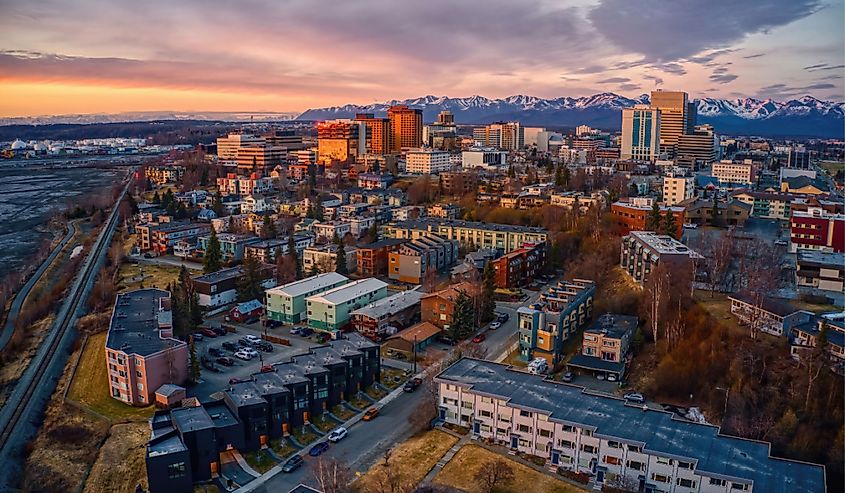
<point x="445" y="117"/>
<point x="700" y="147"/>
<point x="405" y="127"/>
<point x="674" y="117"/>
<point x="378" y="133"/>
<point x="340" y="141"/>
<point x="641" y="133"/>
<point x="504" y="135"/>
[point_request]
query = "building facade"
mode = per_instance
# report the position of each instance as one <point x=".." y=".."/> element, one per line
<point x="287" y="303"/>
<point x="640" y="133"/>
<point x="329" y="311"/>
<point x="411" y="261"/>
<point x="674" y="117"/>
<point x="817" y="229"/>
<point x="643" y="250"/>
<point x="479" y="235"/>
<point x="427" y="162"/>
<point x="405" y="128"/>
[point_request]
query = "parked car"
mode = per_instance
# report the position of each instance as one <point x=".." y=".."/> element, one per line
<point x="252" y="339"/>
<point x="197" y="336"/>
<point x="251" y="352"/>
<point x="567" y="377"/>
<point x="220" y="331"/>
<point x="412" y="384"/>
<point x="225" y="361"/>
<point x="634" y="397"/>
<point x="272" y="324"/>
<point x="781" y="242"/>
<point x="495" y="325"/>
<point x="479" y="338"/>
<point x="267" y="369"/>
<point x="446" y="340"/>
<point x="370" y="414"/>
<point x="230" y="346"/>
<point x="251" y="321"/>
<point x="611" y="377"/>
<point x="243" y="355"/>
<point x="265" y="346"/>
<point x="208" y="333"/>
<point x="318" y="449"/>
<point x="690" y="226"/>
<point x="502" y="317"/>
<point x="338" y="434"/>
<point x="215" y="352"/>
<point x="293" y="463"/>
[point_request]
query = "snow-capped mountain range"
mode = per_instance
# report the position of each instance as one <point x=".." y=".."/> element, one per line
<point x="806" y="116"/>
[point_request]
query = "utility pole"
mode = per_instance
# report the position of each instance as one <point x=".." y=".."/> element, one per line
<point x="415" y="354"/>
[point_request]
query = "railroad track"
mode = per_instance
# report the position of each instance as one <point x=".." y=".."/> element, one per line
<point x="51" y="348"/>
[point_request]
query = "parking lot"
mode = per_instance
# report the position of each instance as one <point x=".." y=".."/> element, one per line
<point x="211" y="382"/>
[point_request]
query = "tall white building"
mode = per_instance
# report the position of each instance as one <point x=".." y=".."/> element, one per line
<point x="530" y="134"/>
<point x="504" y="135"/>
<point x="677" y="187"/>
<point x="727" y="171"/>
<point x="483" y="157"/>
<point x="427" y="161"/>
<point x="228" y="147"/>
<point x="640" y="133"/>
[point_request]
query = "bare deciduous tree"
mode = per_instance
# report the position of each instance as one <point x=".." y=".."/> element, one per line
<point x="494" y="473"/>
<point x="332" y="475"/>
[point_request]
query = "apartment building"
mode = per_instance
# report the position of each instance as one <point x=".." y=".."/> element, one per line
<point x="330" y="229"/>
<point x="260" y="157"/>
<point x="643" y="250"/>
<point x="817" y="229"/>
<point x="715" y="212"/>
<point x="405" y="128"/>
<point x="519" y="267"/>
<point x="504" y="237"/>
<point x="161" y="238"/>
<point x="731" y="173"/>
<point x="427" y="162"/>
<point x="804" y="337"/>
<point x="767" y="205"/>
<point x="604" y="347"/>
<point x="141" y="352"/>
<point x="584" y="201"/>
<point x="459" y="183"/>
<point x="266" y="250"/>
<point x="323" y="258"/>
<point x="632" y="214"/>
<point x="484" y="158"/>
<point x="161" y="175"/>
<point x="608" y="439"/>
<point x="641" y="133"/>
<point x="443" y="211"/>
<point x="438" y="308"/>
<point x="771" y="315"/>
<point x="378" y="133"/>
<point x="677" y="187"/>
<point x="372" y="181"/>
<point x="396" y="311"/>
<point x="410" y="261"/>
<point x="701" y="147"/>
<point x="556" y="315"/>
<point x="329" y="311"/>
<point x="340" y="141"/>
<point x="820" y="272"/>
<point x="187" y="444"/>
<point x="373" y="258"/>
<point x="287" y="303"/>
<point x="232" y="246"/>
<point x="228" y="147"/>
<point x="254" y="183"/>
<point x="502" y="135"/>
<point x="217" y="289"/>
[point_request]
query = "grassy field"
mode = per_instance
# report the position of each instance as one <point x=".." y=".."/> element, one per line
<point x="460" y="471"/>
<point x="304" y="435"/>
<point x="90" y="385"/>
<point x="120" y="461"/>
<point x="154" y="276"/>
<point x="282" y="447"/>
<point x="260" y="461"/>
<point x="410" y="460"/>
<point x="392" y="378"/>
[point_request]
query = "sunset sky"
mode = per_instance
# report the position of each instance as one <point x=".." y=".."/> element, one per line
<point x="87" y="56"/>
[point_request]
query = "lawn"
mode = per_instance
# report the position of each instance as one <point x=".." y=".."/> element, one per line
<point x="359" y="402"/>
<point x="392" y="378"/>
<point x="324" y="423"/>
<point x="154" y="276"/>
<point x="282" y="447"/>
<point x="206" y="488"/>
<point x="460" y="471"/>
<point x="343" y="412"/>
<point x="374" y="392"/>
<point x="304" y="435"/>
<point x="91" y="389"/>
<point x="410" y="460"/>
<point x="260" y="461"/>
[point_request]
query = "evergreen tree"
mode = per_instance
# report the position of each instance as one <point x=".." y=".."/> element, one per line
<point x="167" y="198"/>
<point x="318" y="210"/>
<point x="195" y="362"/>
<point x="294" y="257"/>
<point x="340" y="259"/>
<point x="217" y="205"/>
<point x="511" y="172"/>
<point x="488" y="293"/>
<point x="196" y="311"/>
<point x="156" y="198"/>
<point x="249" y="285"/>
<point x="462" y="318"/>
<point x="566" y="175"/>
<point x="715" y="210"/>
<point x="312" y="177"/>
<point x="652" y="221"/>
<point x="559" y="177"/>
<point x="670" y="227"/>
<point x="213" y="259"/>
<point x="204" y="177"/>
<point x="269" y="227"/>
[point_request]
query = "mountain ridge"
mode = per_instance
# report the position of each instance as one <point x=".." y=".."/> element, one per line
<point x="805" y="116"/>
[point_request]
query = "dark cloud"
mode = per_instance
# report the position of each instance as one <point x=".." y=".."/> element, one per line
<point x="668" y="31"/>
<point x="614" y="80"/>
<point x="756" y="55"/>
<point x="670" y="68"/>
<point x="709" y="57"/>
<point x="629" y="87"/>
<point x="723" y="78"/>
<point x="658" y="81"/>
<point x="812" y="87"/>
<point x="823" y="66"/>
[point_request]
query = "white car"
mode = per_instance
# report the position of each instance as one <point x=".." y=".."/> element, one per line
<point x="252" y="339"/>
<point x="338" y="434"/>
<point x="251" y="352"/>
<point x="243" y="355"/>
<point x="495" y="325"/>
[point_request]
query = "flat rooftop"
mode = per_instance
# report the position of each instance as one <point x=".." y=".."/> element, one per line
<point x="244" y="394"/>
<point x="815" y="257"/>
<point x="192" y="418"/>
<point x="220" y="414"/>
<point x="392" y="304"/>
<point x="662" y="244"/>
<point x="134" y="327"/>
<point x="309" y="284"/>
<point x="349" y="291"/>
<point x="425" y="223"/>
<point x="614" y="325"/>
<point x="659" y="432"/>
<point x="220" y="275"/>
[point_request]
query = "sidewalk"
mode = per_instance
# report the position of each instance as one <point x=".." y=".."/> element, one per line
<point x="445" y="459"/>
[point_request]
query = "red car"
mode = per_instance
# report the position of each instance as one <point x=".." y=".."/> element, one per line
<point x="208" y="332"/>
<point x="479" y="338"/>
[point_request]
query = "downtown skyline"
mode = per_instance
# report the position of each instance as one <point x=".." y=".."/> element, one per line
<point x="265" y="56"/>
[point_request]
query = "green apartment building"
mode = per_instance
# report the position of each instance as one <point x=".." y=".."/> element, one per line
<point x="329" y="311"/>
<point x="287" y="303"/>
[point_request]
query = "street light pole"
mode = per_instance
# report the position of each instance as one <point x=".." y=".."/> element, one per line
<point x="727" y="394"/>
<point x="415" y="354"/>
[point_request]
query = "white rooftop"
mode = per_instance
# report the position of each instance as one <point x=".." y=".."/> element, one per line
<point x="309" y="284"/>
<point x="663" y="244"/>
<point x="390" y="305"/>
<point x="349" y="291"/>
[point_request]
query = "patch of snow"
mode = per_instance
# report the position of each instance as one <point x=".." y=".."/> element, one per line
<point x="76" y="251"/>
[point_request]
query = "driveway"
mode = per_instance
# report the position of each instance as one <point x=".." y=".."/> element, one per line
<point x="230" y="469"/>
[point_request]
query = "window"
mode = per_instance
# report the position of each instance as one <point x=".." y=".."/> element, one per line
<point x="525" y="443"/>
<point x="568" y="429"/>
<point x="176" y="470"/>
<point x="501" y="431"/>
<point x="485" y="414"/>
<point x="545" y="433"/>
<point x="138" y="362"/>
<point x="525" y="414"/>
<point x="504" y="418"/>
<point x="587" y="433"/>
<point x="660" y="478"/>
<point x="684" y="465"/>
<point x="636" y="465"/>
<point x="613" y="444"/>
<point x="140" y="386"/>
<point x="588" y="449"/>
<point x="664" y="460"/>
<point x="137" y="374"/>
<point x="524" y="429"/>
<point x="565" y="444"/>
<point x="739" y="486"/>
<point x="686" y="483"/>
<point x="717" y="482"/>
<point x="466" y="404"/>
<point x="609" y="459"/>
